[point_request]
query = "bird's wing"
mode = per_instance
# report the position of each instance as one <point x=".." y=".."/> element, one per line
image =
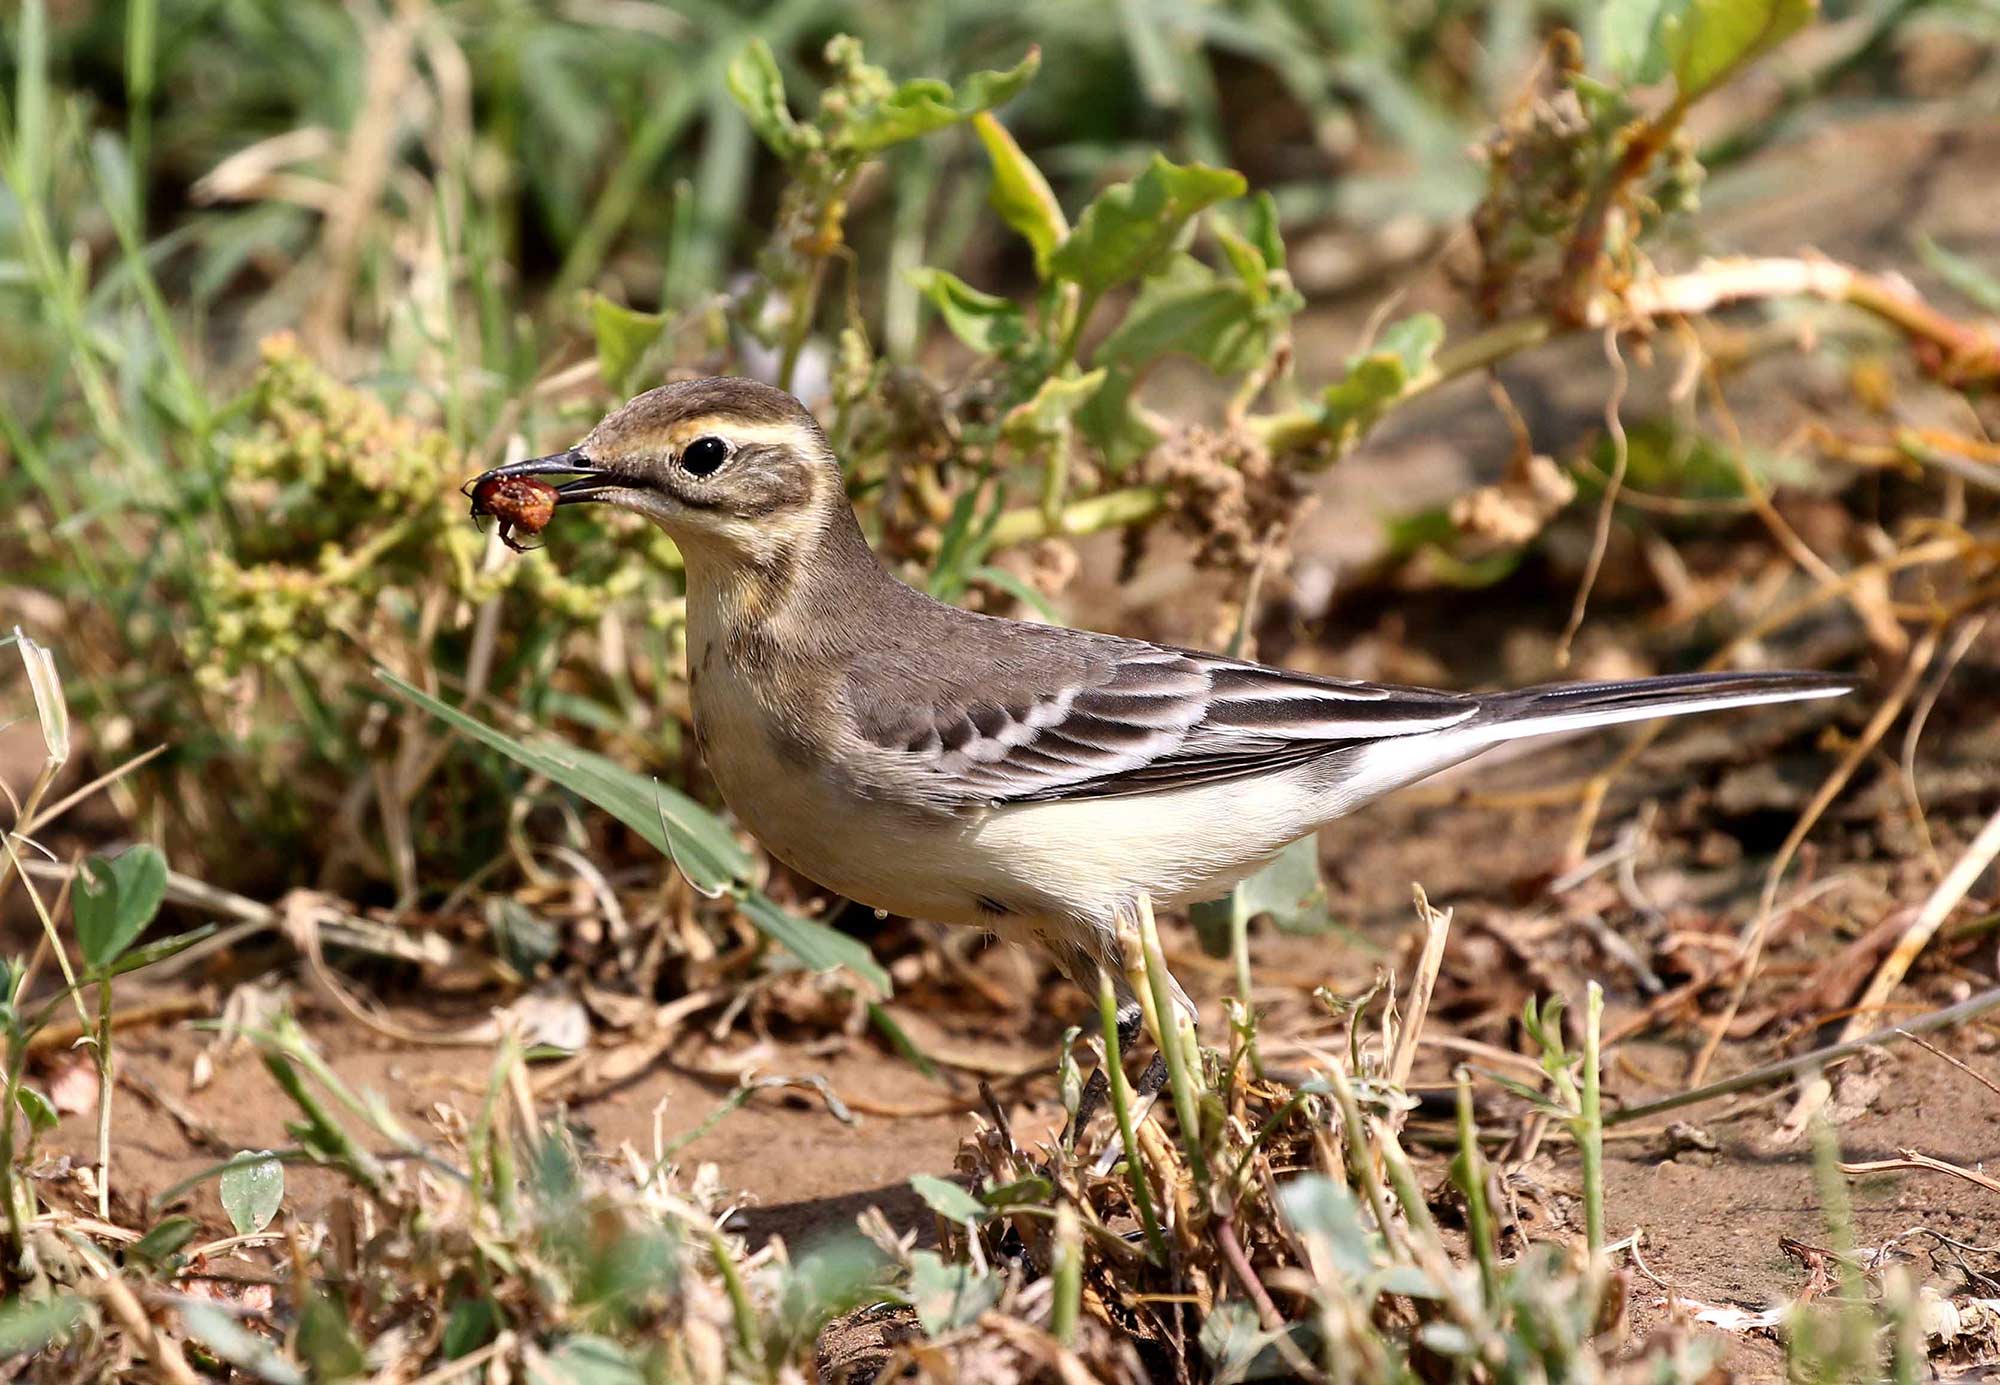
<point x="1096" y="717"/>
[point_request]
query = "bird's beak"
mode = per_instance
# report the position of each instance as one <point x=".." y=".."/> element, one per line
<point x="590" y="483"/>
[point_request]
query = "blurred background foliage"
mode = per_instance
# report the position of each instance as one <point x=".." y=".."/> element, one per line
<point x="278" y="276"/>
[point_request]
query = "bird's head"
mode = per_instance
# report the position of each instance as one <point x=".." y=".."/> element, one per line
<point x="722" y="464"/>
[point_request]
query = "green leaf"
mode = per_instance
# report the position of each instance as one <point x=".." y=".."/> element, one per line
<point x="586" y="1360"/>
<point x="228" y="1341"/>
<point x="40" y="1111"/>
<point x="1184" y="309"/>
<point x="1706" y="41"/>
<point x="698" y="842"/>
<point x="758" y="87"/>
<point x="818" y="946"/>
<point x="988" y="324"/>
<point x="1400" y="360"/>
<point x="1020" y="193"/>
<point x="252" y="1191"/>
<point x="1049" y="412"/>
<point x="1130" y="227"/>
<point x="326" y="1343"/>
<point x="1325" y="1212"/>
<point x="918" y="107"/>
<point x="1290" y="890"/>
<point x="624" y="335"/>
<point x="947" y="1199"/>
<point x="139" y="958"/>
<point x="948" y="1296"/>
<point x="472" y="1323"/>
<point x="114" y="899"/>
<point x="163" y="1240"/>
<point x="29" y="1324"/>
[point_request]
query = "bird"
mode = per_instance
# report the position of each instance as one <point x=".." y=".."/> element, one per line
<point x="1036" y="781"/>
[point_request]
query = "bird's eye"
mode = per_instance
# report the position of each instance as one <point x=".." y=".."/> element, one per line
<point x="702" y="456"/>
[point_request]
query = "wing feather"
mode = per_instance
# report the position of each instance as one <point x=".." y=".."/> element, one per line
<point x="1099" y="718"/>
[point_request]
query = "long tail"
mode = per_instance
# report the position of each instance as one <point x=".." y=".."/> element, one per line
<point x="1394" y="761"/>
<point x="1579" y="706"/>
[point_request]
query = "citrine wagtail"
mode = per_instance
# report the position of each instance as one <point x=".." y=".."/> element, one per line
<point x="1027" y="779"/>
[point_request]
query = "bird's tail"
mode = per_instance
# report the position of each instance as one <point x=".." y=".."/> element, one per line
<point x="1559" y="707"/>
<point x="1393" y="761"/>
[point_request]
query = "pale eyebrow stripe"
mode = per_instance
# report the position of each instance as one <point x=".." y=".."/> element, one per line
<point x="751" y="434"/>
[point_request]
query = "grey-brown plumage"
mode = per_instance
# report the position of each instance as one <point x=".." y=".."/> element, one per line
<point x="1027" y="778"/>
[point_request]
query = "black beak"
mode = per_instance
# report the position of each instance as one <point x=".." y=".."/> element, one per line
<point x="591" y="479"/>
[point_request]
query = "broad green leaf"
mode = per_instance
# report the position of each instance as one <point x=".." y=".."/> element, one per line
<point x="948" y="1296"/>
<point x="918" y="107"/>
<point x="988" y="324"/>
<point x="947" y="1199"/>
<point x="114" y="899"/>
<point x="40" y="1111"/>
<point x="1401" y="358"/>
<point x="1189" y="310"/>
<point x="623" y="337"/>
<point x="695" y="839"/>
<point x="818" y="946"/>
<point x="1326" y="1213"/>
<point x="1708" y="40"/>
<point x="758" y="87"/>
<point x="1113" y="424"/>
<point x="585" y="1360"/>
<point x="326" y="1343"/>
<point x="245" y="1350"/>
<point x="1020" y="193"/>
<point x="1289" y="890"/>
<point x="1130" y="227"/>
<point x="252" y="1191"/>
<point x="29" y="1324"/>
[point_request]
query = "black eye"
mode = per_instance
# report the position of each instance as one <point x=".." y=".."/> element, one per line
<point x="702" y="456"/>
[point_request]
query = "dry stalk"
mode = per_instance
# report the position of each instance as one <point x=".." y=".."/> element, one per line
<point x="1923" y="1162"/>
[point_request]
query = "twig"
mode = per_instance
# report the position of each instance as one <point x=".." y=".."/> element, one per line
<point x="1977" y="1076"/>
<point x="1437" y="928"/>
<point x="1938" y="1019"/>
<point x="1913" y="1160"/>
<point x="1600" y="539"/>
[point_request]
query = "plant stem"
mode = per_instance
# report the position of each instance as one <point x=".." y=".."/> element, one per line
<point x="1109" y="510"/>
<point x="1590" y="1124"/>
<point x="1067" y="1271"/>
<point x="1173" y="1034"/>
<point x="1121" y="1106"/>
<point x="1472" y="1182"/>
<point x="104" y="1098"/>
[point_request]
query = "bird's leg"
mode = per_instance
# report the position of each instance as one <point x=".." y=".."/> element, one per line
<point x="1098" y="1085"/>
